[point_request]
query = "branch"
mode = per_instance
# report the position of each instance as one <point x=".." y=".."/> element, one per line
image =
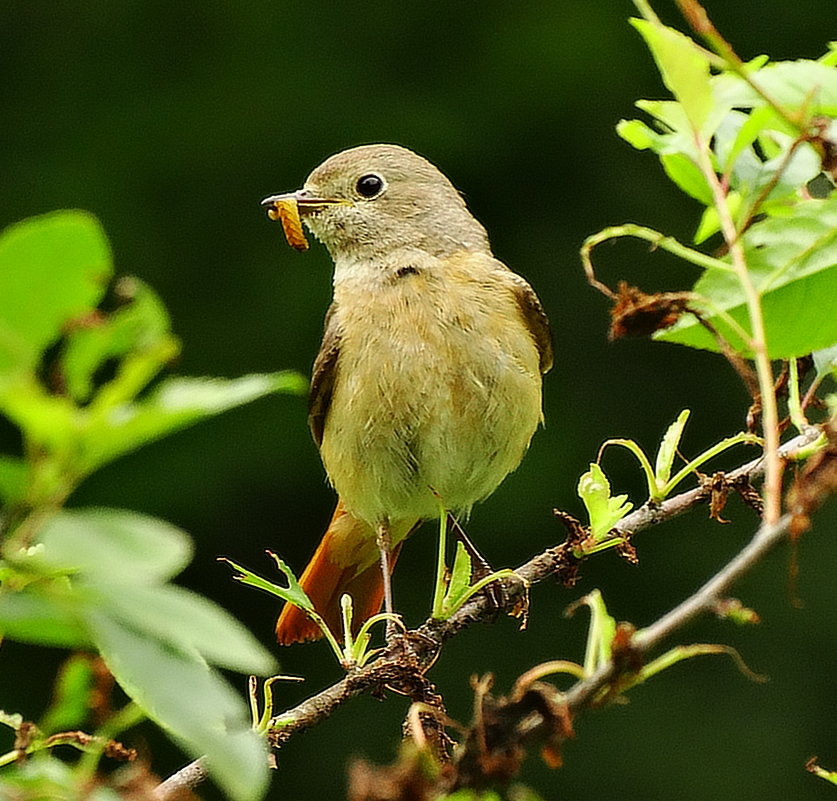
<point x="186" y="778"/>
<point x="401" y="663"/>
<point x="706" y="599"/>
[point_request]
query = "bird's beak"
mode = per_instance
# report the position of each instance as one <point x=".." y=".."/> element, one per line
<point x="305" y="201"/>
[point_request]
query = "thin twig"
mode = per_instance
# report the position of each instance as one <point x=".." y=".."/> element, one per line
<point x="186" y="778"/>
<point x="582" y="694"/>
<point x="758" y="341"/>
<point x="700" y="23"/>
<point x="422" y="646"/>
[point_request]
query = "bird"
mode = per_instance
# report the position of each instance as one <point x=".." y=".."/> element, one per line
<point x="427" y="387"/>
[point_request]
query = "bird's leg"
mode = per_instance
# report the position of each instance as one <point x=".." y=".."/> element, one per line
<point x="479" y="564"/>
<point x="384" y="539"/>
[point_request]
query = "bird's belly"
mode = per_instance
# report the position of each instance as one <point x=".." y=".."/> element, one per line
<point x="429" y="412"/>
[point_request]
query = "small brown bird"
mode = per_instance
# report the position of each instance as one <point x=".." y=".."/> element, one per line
<point x="427" y="387"/>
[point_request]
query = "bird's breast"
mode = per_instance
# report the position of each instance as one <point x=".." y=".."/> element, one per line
<point x="437" y="392"/>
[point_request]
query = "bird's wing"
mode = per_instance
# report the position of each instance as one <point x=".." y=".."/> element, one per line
<point x="535" y="319"/>
<point x="322" y="377"/>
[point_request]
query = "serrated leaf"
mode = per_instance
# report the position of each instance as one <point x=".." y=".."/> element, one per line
<point x="603" y="510"/>
<point x="683" y="66"/>
<point x="793" y="263"/>
<point x="63" y="259"/>
<point x="184" y="619"/>
<point x="114" y="545"/>
<point x="293" y="593"/>
<point x="189" y="700"/>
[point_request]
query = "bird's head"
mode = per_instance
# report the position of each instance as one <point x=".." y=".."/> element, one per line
<point x="375" y="200"/>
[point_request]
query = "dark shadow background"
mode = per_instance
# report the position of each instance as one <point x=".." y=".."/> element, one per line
<point x="171" y="122"/>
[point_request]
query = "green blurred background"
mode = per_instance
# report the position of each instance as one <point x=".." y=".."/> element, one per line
<point x="171" y="121"/>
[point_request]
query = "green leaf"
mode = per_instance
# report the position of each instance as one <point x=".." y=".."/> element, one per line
<point x="676" y="134"/>
<point x="668" y="448"/>
<point x="194" y="704"/>
<point x="70" y="707"/>
<point x="687" y="175"/>
<point x="600" y="634"/>
<point x="683" y="67"/>
<point x="139" y="325"/>
<point x="793" y="263"/>
<point x="825" y="360"/>
<point x="14" y="476"/>
<point x="187" y="621"/>
<point x="293" y="593"/>
<point x="63" y="259"/>
<point x="460" y="580"/>
<point x="638" y="134"/>
<point x="174" y="405"/>
<point x="807" y="85"/>
<point x="114" y="545"/>
<point x="42" y="616"/>
<point x="47" y="421"/>
<point x="737" y="133"/>
<point x="41" y="779"/>
<point x="710" y="222"/>
<point x="763" y="159"/>
<point x="604" y="511"/>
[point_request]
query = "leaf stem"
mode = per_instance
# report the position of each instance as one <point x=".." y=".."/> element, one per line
<point x="651" y="479"/>
<point x="708" y="454"/>
<point x="656" y="238"/>
<point x="764" y="369"/>
<point x="700" y="23"/>
<point x="441" y="566"/>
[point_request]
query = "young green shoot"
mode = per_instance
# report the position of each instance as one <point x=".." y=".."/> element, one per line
<point x="659" y="479"/>
<point x="441" y="566"/>
<point x="262" y="719"/>
<point x="603" y="510"/>
<point x="293" y="594"/>
<point x="459" y="589"/>
<point x="356" y="652"/>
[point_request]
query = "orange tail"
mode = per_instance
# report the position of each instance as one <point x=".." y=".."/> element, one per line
<point x="346" y="561"/>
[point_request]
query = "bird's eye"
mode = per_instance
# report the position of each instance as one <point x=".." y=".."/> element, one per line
<point x="370" y="186"/>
